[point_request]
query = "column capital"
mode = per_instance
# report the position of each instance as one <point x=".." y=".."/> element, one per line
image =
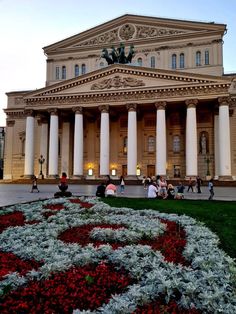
<point x="29" y="112"/>
<point x="191" y="103"/>
<point x="131" y="107"/>
<point x="161" y="105"/>
<point x="53" y="111"/>
<point x="104" y="108"/>
<point x="77" y="110"/>
<point x="10" y="122"/>
<point x="224" y="101"/>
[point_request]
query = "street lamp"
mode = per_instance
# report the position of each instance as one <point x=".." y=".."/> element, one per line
<point x="41" y="161"/>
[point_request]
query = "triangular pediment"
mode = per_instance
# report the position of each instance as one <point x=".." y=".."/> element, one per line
<point x="117" y="77"/>
<point x="134" y="29"/>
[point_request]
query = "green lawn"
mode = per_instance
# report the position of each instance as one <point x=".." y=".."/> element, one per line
<point x="219" y="216"/>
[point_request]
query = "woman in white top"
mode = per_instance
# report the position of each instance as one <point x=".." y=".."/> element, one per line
<point x="152" y="190"/>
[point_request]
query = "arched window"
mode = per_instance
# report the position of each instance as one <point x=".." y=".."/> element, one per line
<point x="63" y="74"/>
<point x="57" y="73"/>
<point x="151" y="144"/>
<point x="173" y="61"/>
<point x="140" y="62"/>
<point x="198" y="58"/>
<point x="76" y="70"/>
<point x="181" y="61"/>
<point x="153" y="62"/>
<point x="207" y="61"/>
<point x="83" y="69"/>
<point x="125" y="145"/>
<point x="176" y="144"/>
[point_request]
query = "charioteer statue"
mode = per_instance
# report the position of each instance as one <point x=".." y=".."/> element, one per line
<point x="118" y="55"/>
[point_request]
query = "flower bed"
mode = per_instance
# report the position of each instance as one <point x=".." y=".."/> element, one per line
<point x="82" y="256"/>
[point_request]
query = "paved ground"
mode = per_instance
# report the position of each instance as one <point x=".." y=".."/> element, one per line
<point x="20" y="193"/>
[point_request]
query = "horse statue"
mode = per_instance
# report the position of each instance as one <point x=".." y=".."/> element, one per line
<point x="118" y="55"/>
<point x="106" y="56"/>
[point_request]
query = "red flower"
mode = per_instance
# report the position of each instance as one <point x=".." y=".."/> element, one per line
<point x="9" y="262"/>
<point x="81" y="288"/>
<point x="83" y="204"/>
<point x="11" y="220"/>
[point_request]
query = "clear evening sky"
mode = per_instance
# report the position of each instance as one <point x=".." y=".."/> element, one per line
<point x="26" y="26"/>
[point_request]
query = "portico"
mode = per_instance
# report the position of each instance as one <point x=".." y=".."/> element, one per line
<point x="103" y="148"/>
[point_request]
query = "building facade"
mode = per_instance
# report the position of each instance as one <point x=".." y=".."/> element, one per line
<point x="170" y="112"/>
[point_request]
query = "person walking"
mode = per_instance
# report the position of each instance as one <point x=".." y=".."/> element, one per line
<point x="190" y="184"/>
<point x="122" y="185"/>
<point x="34" y="185"/>
<point x="199" y="183"/>
<point x="211" y="189"/>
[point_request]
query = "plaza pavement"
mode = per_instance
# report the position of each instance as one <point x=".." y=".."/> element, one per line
<point x="20" y="193"/>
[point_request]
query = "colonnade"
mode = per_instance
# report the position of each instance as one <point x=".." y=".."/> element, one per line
<point x="222" y="151"/>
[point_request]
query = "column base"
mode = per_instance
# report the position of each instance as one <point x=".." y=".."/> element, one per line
<point x="132" y="177"/>
<point x="225" y="178"/>
<point x="53" y="176"/>
<point x="77" y="177"/>
<point x="28" y="176"/>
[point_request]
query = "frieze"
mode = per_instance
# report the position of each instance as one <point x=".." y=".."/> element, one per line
<point x="128" y="32"/>
<point x="148" y="32"/>
<point x="105" y="38"/>
<point x="117" y="82"/>
<point x="148" y="94"/>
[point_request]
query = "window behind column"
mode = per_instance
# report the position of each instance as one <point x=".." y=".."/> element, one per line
<point x="198" y="58"/>
<point x="63" y="76"/>
<point x="76" y="70"/>
<point x="176" y="144"/>
<point x="173" y="61"/>
<point x="57" y="74"/>
<point x="83" y="69"/>
<point x="125" y="144"/>
<point x="151" y="144"/>
<point x="181" y="61"/>
<point x="153" y="62"/>
<point x="207" y="60"/>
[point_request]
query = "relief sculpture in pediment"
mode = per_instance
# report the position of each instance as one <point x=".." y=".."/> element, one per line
<point x="146" y="32"/>
<point x="117" y="82"/>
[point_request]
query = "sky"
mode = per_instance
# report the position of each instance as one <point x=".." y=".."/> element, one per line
<point x="26" y="26"/>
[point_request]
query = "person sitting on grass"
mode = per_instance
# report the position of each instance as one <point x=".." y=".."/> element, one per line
<point x="101" y="190"/>
<point x="170" y="192"/>
<point x="152" y="190"/>
<point x="180" y="191"/>
<point x="63" y="186"/>
<point x="110" y="190"/>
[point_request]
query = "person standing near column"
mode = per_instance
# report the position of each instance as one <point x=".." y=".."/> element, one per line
<point x="211" y="189"/>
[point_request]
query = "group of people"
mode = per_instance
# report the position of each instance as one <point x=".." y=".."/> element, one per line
<point x="158" y="188"/>
<point x="109" y="189"/>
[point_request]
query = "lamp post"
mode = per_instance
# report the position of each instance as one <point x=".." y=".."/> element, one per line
<point x="41" y="161"/>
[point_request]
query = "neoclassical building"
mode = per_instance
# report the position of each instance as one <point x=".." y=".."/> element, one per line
<point x="170" y="112"/>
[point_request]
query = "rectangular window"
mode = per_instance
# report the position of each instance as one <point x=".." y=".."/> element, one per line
<point x="57" y="73"/>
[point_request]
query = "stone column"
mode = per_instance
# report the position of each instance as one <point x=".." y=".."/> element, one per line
<point x="224" y="139"/>
<point x="44" y="144"/>
<point x="216" y="145"/>
<point x="132" y="141"/>
<point x="104" y="141"/>
<point x="78" y="142"/>
<point x="65" y="146"/>
<point x="191" y="138"/>
<point x="53" y="144"/>
<point x="8" y="150"/>
<point x="29" y="144"/>
<point x="161" y="138"/>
